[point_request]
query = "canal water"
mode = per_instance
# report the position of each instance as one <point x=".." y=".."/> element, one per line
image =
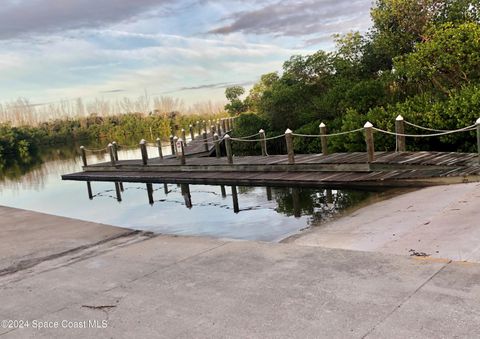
<point x="254" y="213"/>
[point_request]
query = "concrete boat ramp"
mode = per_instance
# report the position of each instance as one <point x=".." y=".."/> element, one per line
<point x="99" y="281"/>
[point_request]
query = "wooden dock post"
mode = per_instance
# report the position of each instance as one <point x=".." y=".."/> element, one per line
<point x="478" y="138"/>
<point x="181" y="151"/>
<point x="175" y="146"/>
<point x="89" y="190"/>
<point x="218" y="151"/>
<point x="185" y="189"/>
<point x="217" y="124"/>
<point x="369" y="141"/>
<point x="204" y="125"/>
<point x="199" y="127"/>
<point x="400" y="139"/>
<point x="236" y="207"/>
<point x="289" y="140"/>
<point x="184" y="136"/>
<point x="172" y="144"/>
<point x="159" y="146"/>
<point x="84" y="156"/>
<point x="192" y="132"/>
<point x="324" y="138"/>
<point x="165" y="189"/>
<point x="263" y="143"/>
<point x="112" y="155"/>
<point x="212" y="130"/>
<point x="115" y="150"/>
<point x="224" y="126"/>
<point x="143" y="149"/>
<point x="223" y="191"/>
<point x="150" y="193"/>
<point x="228" y="146"/>
<point x="205" y="140"/>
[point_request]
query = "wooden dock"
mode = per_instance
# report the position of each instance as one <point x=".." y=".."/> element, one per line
<point x="389" y="169"/>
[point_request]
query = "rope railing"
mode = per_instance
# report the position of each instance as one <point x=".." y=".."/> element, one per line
<point x="327" y="135"/>
<point x="425" y="128"/>
<point x="465" y="129"/>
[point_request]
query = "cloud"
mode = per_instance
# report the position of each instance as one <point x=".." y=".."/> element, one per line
<point x="19" y="18"/>
<point x="299" y="18"/>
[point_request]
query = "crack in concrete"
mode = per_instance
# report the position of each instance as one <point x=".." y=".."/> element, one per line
<point x="406" y="299"/>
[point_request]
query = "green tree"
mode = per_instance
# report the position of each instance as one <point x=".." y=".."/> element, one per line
<point x="236" y="105"/>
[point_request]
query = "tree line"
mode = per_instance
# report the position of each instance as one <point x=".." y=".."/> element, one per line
<point x="420" y="59"/>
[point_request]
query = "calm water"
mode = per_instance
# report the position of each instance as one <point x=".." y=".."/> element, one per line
<point x="256" y="213"/>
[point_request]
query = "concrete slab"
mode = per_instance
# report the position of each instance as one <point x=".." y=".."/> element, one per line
<point x="441" y="221"/>
<point x="32" y="236"/>
<point x="164" y="286"/>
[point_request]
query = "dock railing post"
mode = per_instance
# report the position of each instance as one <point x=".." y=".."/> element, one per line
<point x="199" y="127"/>
<point x="218" y="152"/>
<point x="181" y="151"/>
<point x="115" y="150"/>
<point x="209" y="125"/>
<point x="228" y="146"/>
<point x="224" y="126"/>
<point x="143" y="150"/>
<point x="289" y="140"/>
<point x="112" y="155"/>
<point x="175" y="146"/>
<point x="217" y="123"/>
<point x="84" y="156"/>
<point x="400" y="139"/>
<point x="159" y="146"/>
<point x="478" y="138"/>
<point x="204" y="125"/>
<point x="212" y="130"/>
<point x="263" y="143"/>
<point x="172" y="145"/>
<point x="192" y="132"/>
<point x="369" y="141"/>
<point x="324" y="138"/>
<point x="205" y="140"/>
<point x="184" y="137"/>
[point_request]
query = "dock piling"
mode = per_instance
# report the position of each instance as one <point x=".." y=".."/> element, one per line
<point x="369" y="141"/>
<point x="192" y="132"/>
<point x="181" y="151"/>
<point x="400" y="139"/>
<point x="150" y="193"/>
<point x="115" y="150"/>
<point x="112" y="155"/>
<point x="289" y="140"/>
<point x="159" y="146"/>
<point x="263" y="142"/>
<point x="172" y="145"/>
<point x="84" y="156"/>
<point x="218" y="152"/>
<point x="89" y="190"/>
<point x="118" y="192"/>
<point x="143" y="150"/>
<point x="324" y="138"/>
<point x="228" y="146"/>
<point x="205" y="140"/>
<point x="236" y="207"/>
<point x="184" y="136"/>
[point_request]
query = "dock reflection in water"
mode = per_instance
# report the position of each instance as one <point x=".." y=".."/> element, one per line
<point x="263" y="213"/>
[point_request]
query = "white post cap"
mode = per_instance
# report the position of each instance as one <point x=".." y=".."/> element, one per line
<point x="215" y="135"/>
<point x="198" y="122"/>
<point x="142" y="141"/>
<point x="226" y="136"/>
<point x="114" y="142"/>
<point x="478" y="122"/>
<point x="158" y="139"/>
<point x="288" y="131"/>
<point x="322" y="125"/>
<point x="399" y="118"/>
<point x="175" y="138"/>
<point x="261" y="131"/>
<point x="190" y="125"/>
<point x="109" y="145"/>
<point x="183" y="129"/>
<point x="368" y="124"/>
<point x="171" y="136"/>
<point x="82" y="147"/>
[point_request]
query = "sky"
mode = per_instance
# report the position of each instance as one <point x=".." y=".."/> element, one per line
<point x="52" y="50"/>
